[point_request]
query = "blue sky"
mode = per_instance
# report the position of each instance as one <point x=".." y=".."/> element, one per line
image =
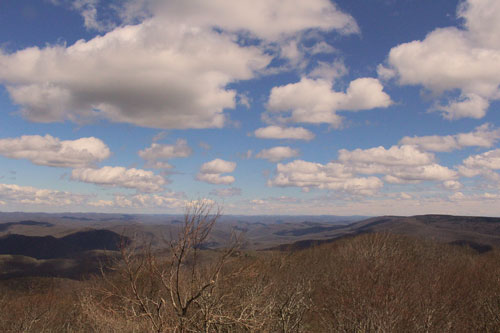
<point x="266" y="107"/>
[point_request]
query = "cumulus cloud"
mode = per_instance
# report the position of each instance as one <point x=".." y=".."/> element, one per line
<point x="315" y="101"/>
<point x="171" y="70"/>
<point x="89" y="13"/>
<point x="485" y="197"/>
<point x="50" y="151"/>
<point x="218" y="166"/>
<point x="277" y="154"/>
<point x="488" y="160"/>
<point x="399" y="164"/>
<point x="226" y="192"/>
<point x="467" y="106"/>
<point x="101" y="203"/>
<point x="431" y="172"/>
<point x="432" y="142"/>
<point x="457" y="196"/>
<point x="278" y="132"/>
<point x="484" y="136"/>
<point x="452" y="185"/>
<point x="157" y="154"/>
<point x="394" y="156"/>
<point x="166" y="77"/>
<point x="327" y="71"/>
<point x="490" y="196"/>
<point x="168" y="200"/>
<point x="27" y="195"/>
<point x="449" y="59"/>
<point x="215" y="178"/>
<point x="268" y="20"/>
<point x="211" y="172"/>
<point x="321" y="48"/>
<point x="484" y="164"/>
<point x="332" y="176"/>
<point x="140" y="180"/>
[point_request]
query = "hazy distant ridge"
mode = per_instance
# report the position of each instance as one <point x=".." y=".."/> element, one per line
<point x="49" y="247"/>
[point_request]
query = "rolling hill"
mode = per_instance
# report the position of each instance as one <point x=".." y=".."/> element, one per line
<point x="480" y="233"/>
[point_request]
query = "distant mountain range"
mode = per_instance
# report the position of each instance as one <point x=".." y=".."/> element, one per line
<point x="480" y="233"/>
<point x="49" y="247"/>
<point x="62" y="242"/>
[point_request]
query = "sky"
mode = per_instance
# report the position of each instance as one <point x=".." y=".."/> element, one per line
<point x="289" y="107"/>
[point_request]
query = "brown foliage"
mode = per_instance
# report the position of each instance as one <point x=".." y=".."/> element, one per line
<point x="369" y="283"/>
<point x="388" y="283"/>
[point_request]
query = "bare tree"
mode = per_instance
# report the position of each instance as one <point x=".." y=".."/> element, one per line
<point x="170" y="289"/>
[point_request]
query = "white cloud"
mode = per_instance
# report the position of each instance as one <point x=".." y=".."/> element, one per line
<point x="431" y="172"/>
<point x="278" y="132"/>
<point x="315" y="101"/>
<point x="481" y="20"/>
<point x="399" y="164"/>
<point x="332" y="176"/>
<point x="490" y="196"/>
<point x="452" y="185"/>
<point x="394" y="156"/>
<point x="464" y="59"/>
<point x="483" y="136"/>
<point x="218" y="166"/>
<point x="483" y="197"/>
<point x="467" y="106"/>
<point x="89" y="13"/>
<point x="245" y="100"/>
<point x="263" y="19"/>
<point x="158" y="165"/>
<point x="159" y="136"/>
<point x="327" y="71"/>
<point x="321" y="48"/>
<point x="488" y="160"/>
<point x="215" y="178"/>
<point x="167" y="200"/>
<point x="211" y="172"/>
<point x="166" y="76"/>
<point x="483" y="164"/>
<point x="405" y="196"/>
<point x="157" y="154"/>
<point x="432" y="142"/>
<point x="457" y="196"/>
<point x="141" y="180"/>
<point x="280" y="26"/>
<point x="226" y="192"/>
<point x="277" y="154"/>
<point x="101" y="203"/>
<point x="27" y="195"/>
<point x="50" y="151"/>
<point x="170" y="70"/>
<point x="390" y="204"/>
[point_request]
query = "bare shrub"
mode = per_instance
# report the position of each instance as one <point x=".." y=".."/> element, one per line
<point x="372" y="282"/>
<point x="171" y="290"/>
<point x="390" y="283"/>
